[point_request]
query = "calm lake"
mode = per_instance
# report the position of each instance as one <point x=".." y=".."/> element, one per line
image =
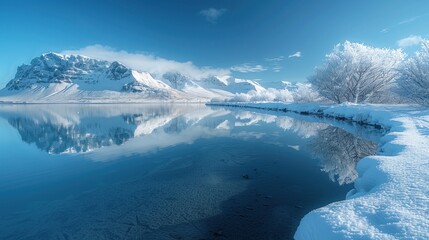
<point x="172" y="171"/>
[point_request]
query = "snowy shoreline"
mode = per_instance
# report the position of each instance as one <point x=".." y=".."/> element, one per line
<point x="316" y="110"/>
<point x="390" y="198"/>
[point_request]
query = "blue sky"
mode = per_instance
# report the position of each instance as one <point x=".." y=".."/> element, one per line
<point x="267" y="40"/>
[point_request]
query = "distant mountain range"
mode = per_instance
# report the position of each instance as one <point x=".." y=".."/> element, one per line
<point x="59" y="78"/>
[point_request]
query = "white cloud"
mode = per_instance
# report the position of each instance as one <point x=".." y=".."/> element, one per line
<point x="295" y="55"/>
<point x="277" y="68"/>
<point x="405" y="21"/>
<point x="410" y="41"/>
<point x="246" y="68"/>
<point x="212" y="14"/>
<point x="276" y="59"/>
<point x="409" y="20"/>
<point x="147" y="62"/>
<point x="275" y="63"/>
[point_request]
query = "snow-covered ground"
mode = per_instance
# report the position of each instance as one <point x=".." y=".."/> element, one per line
<point x="390" y="199"/>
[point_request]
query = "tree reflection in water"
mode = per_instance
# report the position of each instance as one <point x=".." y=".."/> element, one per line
<point x="337" y="149"/>
<point x="339" y="152"/>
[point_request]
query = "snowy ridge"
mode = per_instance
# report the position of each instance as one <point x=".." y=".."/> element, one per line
<point x="390" y="199"/>
<point x="59" y="78"/>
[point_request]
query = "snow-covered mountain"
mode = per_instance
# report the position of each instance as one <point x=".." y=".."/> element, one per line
<point x="54" y="77"/>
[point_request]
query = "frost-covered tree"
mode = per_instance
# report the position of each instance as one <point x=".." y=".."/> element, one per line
<point x="357" y="73"/>
<point x="304" y="92"/>
<point x="269" y="94"/>
<point x="414" y="77"/>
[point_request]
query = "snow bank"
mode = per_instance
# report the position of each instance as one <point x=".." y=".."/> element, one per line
<point x="390" y="198"/>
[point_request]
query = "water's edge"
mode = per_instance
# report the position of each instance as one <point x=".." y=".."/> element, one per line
<point x="317" y="111"/>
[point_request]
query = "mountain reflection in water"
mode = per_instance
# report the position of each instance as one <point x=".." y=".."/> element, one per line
<point x="56" y="129"/>
<point x="169" y="171"/>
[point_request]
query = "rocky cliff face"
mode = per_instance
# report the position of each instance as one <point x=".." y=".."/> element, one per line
<point x="56" y="68"/>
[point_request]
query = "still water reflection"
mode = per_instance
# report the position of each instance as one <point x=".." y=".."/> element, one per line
<point x="168" y="171"/>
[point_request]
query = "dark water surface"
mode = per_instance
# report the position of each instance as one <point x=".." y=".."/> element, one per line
<point x="168" y="171"/>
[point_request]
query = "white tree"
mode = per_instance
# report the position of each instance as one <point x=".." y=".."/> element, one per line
<point x="414" y="77"/>
<point x="269" y="94"/>
<point x="304" y="92"/>
<point x="356" y="73"/>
